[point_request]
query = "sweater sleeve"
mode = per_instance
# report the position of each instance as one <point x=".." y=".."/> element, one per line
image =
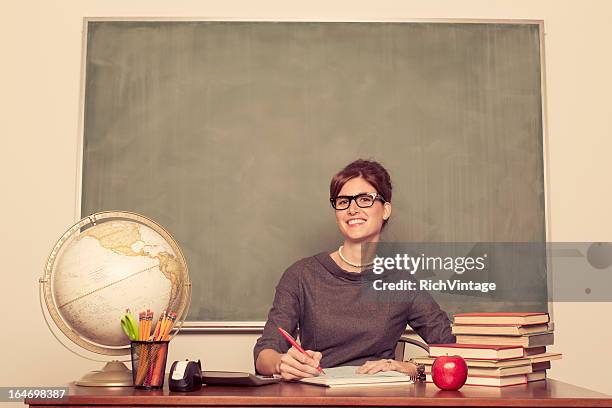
<point x="285" y="313"/>
<point x="429" y="321"/>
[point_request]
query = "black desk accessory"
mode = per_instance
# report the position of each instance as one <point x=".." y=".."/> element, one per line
<point x="185" y="376"/>
<point x="236" y="379"/>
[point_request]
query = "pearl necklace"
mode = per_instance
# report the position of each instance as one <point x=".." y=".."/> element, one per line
<point x="350" y="263"/>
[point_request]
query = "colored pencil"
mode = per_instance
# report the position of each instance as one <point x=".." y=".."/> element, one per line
<point x="297" y="346"/>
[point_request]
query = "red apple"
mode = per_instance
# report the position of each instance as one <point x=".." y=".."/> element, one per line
<point x="449" y="372"/>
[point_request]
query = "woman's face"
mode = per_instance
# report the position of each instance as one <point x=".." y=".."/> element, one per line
<point x="361" y="224"/>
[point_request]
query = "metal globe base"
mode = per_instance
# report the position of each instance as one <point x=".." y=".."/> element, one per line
<point x="114" y="374"/>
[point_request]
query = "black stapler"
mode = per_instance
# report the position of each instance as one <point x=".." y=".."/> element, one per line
<point x="185" y="376"/>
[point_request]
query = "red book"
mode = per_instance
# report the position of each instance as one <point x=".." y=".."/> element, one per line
<point x="528" y="340"/>
<point x="476" y="351"/>
<point x="500" y="329"/>
<point x="492" y="381"/>
<point x="501" y="318"/>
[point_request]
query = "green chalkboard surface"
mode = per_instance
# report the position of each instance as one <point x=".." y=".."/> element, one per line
<point x="227" y="133"/>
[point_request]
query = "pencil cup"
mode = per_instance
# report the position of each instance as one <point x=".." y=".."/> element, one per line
<point x="149" y="364"/>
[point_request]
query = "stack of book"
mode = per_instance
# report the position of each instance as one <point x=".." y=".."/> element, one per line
<point x="500" y="349"/>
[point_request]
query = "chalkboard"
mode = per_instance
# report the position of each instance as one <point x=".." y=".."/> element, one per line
<point x="227" y="133"/>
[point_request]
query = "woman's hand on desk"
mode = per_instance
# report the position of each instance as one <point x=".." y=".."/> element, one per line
<point x="373" y="367"/>
<point x="294" y="365"/>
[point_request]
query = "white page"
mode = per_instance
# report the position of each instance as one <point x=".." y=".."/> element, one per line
<point x="350" y="372"/>
<point x="347" y="376"/>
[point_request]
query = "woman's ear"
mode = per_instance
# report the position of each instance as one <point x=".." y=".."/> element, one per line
<point x="387" y="211"/>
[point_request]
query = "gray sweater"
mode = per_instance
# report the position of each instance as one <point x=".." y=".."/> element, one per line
<point x="324" y="305"/>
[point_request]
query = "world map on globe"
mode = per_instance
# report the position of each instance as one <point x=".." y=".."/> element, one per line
<point x="108" y="267"/>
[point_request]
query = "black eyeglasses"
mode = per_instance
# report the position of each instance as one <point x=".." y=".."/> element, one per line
<point x="363" y="200"/>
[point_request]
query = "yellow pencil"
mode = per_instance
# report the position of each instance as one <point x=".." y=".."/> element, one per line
<point x="161" y="327"/>
<point x="169" y="326"/>
<point x="157" y="327"/>
<point x="140" y="326"/>
<point x="165" y="327"/>
<point x="149" y="320"/>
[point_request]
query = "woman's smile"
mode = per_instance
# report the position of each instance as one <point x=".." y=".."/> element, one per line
<point x="355" y="222"/>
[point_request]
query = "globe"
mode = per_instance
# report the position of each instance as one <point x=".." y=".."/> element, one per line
<point x="106" y="264"/>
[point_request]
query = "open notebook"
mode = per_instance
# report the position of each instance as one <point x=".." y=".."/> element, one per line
<point x="346" y="376"/>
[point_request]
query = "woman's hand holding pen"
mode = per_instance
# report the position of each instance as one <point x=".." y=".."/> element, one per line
<point x="295" y="365"/>
<point x="387" y="364"/>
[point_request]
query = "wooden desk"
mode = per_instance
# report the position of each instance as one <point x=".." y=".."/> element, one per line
<point x="549" y="393"/>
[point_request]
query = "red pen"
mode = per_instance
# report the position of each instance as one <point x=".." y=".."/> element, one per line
<point x="297" y="346"/>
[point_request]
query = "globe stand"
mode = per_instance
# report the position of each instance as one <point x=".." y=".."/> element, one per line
<point x="114" y="374"/>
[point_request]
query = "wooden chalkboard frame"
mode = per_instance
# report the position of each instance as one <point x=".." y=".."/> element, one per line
<point x="257" y="326"/>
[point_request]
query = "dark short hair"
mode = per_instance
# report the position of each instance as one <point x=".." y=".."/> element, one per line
<point x="371" y="171"/>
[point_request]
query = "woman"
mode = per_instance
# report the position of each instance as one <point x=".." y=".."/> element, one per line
<point x="322" y="295"/>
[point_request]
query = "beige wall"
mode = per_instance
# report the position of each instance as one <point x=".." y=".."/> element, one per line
<point x="40" y="78"/>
